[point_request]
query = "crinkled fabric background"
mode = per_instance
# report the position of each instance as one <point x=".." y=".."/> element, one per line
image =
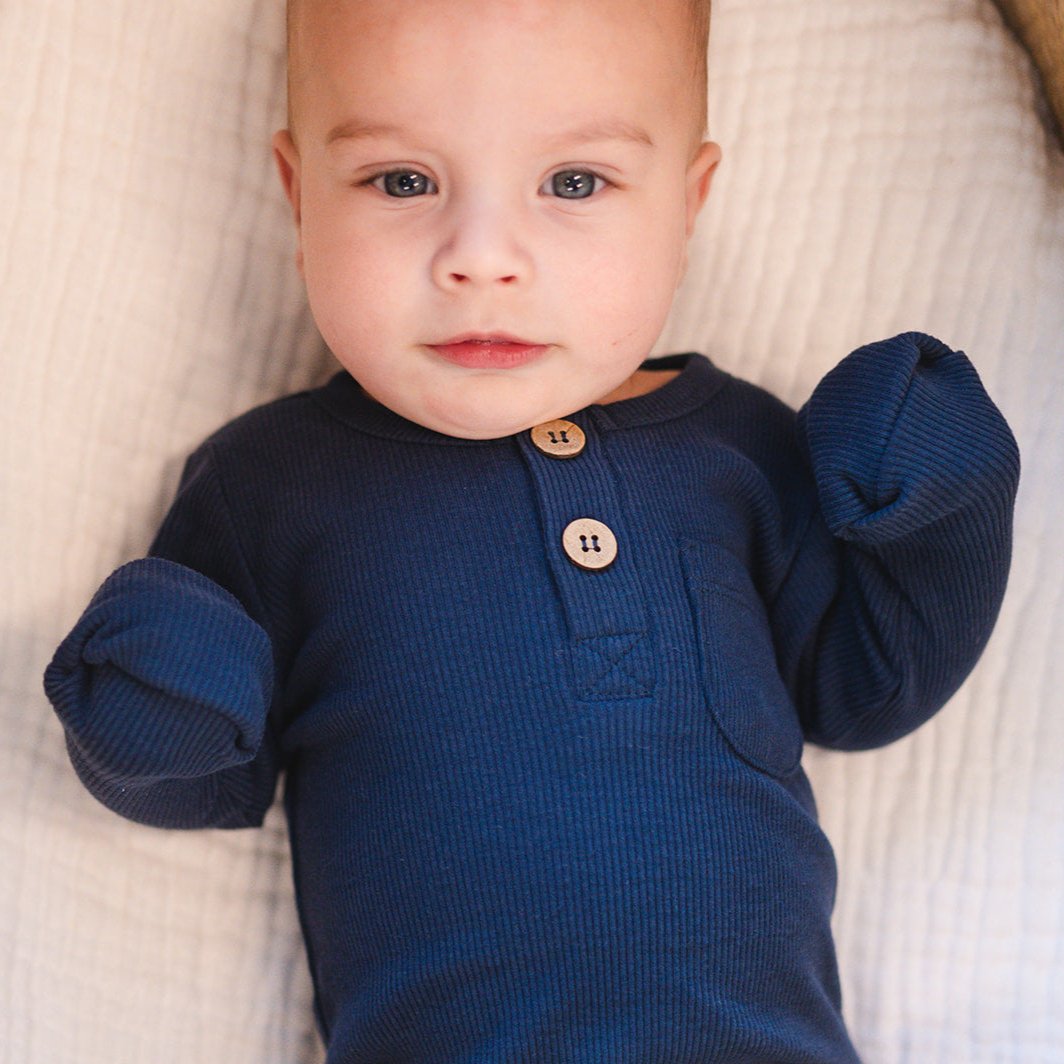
<point x="888" y="166"/>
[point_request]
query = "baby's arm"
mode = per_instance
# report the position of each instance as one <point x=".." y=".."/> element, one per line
<point x="164" y="684"/>
<point x="916" y="473"/>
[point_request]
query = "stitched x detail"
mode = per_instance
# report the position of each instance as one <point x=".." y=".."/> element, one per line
<point x="612" y="666"/>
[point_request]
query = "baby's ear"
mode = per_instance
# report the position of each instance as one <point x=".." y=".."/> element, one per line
<point x="699" y="176"/>
<point x="287" y="156"/>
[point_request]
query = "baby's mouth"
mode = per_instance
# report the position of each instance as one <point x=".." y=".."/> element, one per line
<point x="499" y="351"/>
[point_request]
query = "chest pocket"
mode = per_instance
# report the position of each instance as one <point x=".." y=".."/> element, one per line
<point x="740" y="679"/>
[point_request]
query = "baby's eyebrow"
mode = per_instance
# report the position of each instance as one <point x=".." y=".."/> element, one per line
<point x="604" y="129"/>
<point x="592" y="132"/>
<point x="356" y="130"/>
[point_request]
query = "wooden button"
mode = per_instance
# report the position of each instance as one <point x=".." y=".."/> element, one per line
<point x="589" y="543"/>
<point x="559" y="439"/>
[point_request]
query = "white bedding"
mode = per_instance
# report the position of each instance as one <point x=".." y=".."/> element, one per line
<point x="885" y="169"/>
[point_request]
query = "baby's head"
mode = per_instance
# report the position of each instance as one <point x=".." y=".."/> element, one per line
<point x="522" y="169"/>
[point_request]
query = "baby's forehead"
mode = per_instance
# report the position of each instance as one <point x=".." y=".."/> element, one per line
<point x="384" y="50"/>
<point x="530" y="14"/>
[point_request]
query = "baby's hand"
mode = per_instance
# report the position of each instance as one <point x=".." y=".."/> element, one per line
<point x="165" y="676"/>
<point x="901" y="433"/>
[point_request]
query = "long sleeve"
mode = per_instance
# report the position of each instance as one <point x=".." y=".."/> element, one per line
<point x="164" y="684"/>
<point x="903" y="570"/>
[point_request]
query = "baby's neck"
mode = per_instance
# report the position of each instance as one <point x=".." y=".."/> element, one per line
<point x="639" y="383"/>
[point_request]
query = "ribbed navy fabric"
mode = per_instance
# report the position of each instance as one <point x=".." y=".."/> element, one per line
<point x="541" y="814"/>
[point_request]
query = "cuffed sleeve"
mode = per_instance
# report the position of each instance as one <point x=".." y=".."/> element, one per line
<point x="902" y="433"/>
<point x="164" y="676"/>
<point x="906" y="563"/>
<point x="165" y="684"/>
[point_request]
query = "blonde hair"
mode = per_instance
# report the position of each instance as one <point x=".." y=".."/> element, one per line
<point x="698" y="12"/>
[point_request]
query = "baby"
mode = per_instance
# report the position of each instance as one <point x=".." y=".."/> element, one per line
<point x="534" y="626"/>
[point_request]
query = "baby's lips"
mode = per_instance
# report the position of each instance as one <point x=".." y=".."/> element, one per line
<point x="485" y="338"/>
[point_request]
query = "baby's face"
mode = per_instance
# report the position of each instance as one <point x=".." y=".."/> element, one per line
<point x="527" y="169"/>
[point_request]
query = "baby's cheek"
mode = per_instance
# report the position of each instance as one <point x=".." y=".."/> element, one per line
<point x="641" y="299"/>
<point x="346" y="287"/>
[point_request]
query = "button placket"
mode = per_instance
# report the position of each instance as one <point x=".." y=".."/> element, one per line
<point x="593" y="567"/>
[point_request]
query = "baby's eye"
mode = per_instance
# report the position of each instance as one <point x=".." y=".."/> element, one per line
<point x="574" y="184"/>
<point x="403" y="184"/>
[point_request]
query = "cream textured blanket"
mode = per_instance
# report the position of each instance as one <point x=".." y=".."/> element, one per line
<point x="885" y="168"/>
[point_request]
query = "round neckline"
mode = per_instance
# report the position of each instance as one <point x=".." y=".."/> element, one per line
<point x="697" y="381"/>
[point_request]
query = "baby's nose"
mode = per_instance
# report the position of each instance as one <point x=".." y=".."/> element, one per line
<point x="483" y="246"/>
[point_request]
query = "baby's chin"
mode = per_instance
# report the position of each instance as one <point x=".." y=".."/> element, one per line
<point x="486" y="410"/>
<point x="493" y="404"/>
<point x="480" y="425"/>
